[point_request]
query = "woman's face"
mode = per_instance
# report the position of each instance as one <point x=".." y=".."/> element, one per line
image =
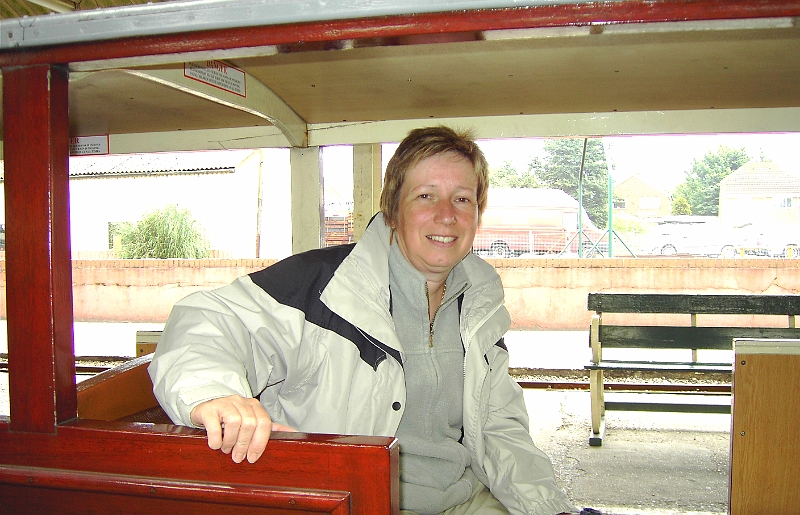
<point x="438" y="213"/>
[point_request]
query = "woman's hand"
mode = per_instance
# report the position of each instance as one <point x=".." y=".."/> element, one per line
<point x="236" y="425"/>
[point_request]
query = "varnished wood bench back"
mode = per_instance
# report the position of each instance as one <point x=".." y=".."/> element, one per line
<point x="118" y="393"/>
<point x="103" y="464"/>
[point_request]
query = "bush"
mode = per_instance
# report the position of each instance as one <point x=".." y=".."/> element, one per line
<point x="167" y="233"/>
<point x="680" y="206"/>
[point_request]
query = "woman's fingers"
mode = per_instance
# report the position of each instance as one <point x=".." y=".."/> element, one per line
<point x="236" y="425"/>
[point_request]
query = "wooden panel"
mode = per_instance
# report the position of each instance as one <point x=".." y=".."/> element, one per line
<point x="117" y="393"/>
<point x="700" y="304"/>
<point x="116" y="102"/>
<point x="38" y="490"/>
<point x="39" y="271"/>
<point x="618" y="72"/>
<point x="765" y="451"/>
<point x="367" y="467"/>
<point x="665" y="337"/>
<point x="142" y="349"/>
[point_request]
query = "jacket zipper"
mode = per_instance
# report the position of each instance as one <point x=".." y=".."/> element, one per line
<point x="442" y="303"/>
<point x="430" y="329"/>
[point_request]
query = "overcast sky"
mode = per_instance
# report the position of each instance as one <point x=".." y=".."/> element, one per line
<point x="660" y="160"/>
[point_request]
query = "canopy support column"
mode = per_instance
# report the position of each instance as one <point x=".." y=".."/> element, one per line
<point x="366" y="185"/>
<point x="307" y="199"/>
<point x="38" y="257"/>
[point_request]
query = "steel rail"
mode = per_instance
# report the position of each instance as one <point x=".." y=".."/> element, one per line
<point x="83" y="369"/>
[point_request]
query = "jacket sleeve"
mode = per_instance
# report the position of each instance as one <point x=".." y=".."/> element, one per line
<point x="233" y="340"/>
<point x="521" y="475"/>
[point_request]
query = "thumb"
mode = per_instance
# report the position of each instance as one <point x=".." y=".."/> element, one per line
<point x="281" y="427"/>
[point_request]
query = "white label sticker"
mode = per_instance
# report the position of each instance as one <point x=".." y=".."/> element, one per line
<point x="88" y="145"/>
<point x="218" y="75"/>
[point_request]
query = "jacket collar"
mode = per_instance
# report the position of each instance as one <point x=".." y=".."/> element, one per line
<point x="359" y="291"/>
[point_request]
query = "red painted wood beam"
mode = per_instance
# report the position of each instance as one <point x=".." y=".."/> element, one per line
<point x="35" y="490"/>
<point x="633" y="11"/>
<point x="365" y="466"/>
<point x="41" y="358"/>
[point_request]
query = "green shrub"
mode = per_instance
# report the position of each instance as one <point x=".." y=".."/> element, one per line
<point x="680" y="206"/>
<point x="167" y="233"/>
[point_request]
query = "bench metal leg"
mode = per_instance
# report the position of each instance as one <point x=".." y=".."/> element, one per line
<point x="596" y="439"/>
<point x="598" y="407"/>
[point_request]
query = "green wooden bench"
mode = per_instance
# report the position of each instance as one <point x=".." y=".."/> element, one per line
<point x="689" y="337"/>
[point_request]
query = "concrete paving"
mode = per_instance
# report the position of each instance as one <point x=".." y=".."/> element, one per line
<point x="655" y="463"/>
<point x="650" y="463"/>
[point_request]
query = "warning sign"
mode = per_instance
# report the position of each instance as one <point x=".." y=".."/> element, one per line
<point x="88" y="145"/>
<point x="218" y="75"/>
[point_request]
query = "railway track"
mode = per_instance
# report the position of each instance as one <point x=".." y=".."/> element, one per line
<point x="631" y="387"/>
<point x="544" y="380"/>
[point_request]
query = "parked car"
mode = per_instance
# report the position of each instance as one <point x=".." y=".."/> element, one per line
<point x="694" y="235"/>
<point x="770" y="240"/>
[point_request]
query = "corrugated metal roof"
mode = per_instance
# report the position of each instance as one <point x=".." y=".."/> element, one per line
<point x="755" y="178"/>
<point x="160" y="163"/>
<point x="165" y="163"/>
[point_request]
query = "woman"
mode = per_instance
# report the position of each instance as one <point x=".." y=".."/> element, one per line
<point x="400" y="334"/>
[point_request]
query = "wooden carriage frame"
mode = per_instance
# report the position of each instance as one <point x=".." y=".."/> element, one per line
<point x="49" y="456"/>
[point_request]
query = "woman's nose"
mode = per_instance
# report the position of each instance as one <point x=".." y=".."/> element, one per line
<point x="445" y="212"/>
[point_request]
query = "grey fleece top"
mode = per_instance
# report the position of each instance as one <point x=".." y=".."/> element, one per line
<point x="434" y="473"/>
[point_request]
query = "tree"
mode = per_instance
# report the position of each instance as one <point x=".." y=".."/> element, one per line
<point x="680" y="206"/>
<point x="167" y="233"/>
<point x="701" y="187"/>
<point x="509" y="177"/>
<point x="561" y="168"/>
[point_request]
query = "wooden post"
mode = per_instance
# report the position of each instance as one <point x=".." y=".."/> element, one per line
<point x="366" y="186"/>
<point x="307" y="202"/>
<point x="39" y="272"/>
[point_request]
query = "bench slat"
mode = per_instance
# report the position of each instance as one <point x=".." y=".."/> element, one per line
<point x="664" y="337"/>
<point x="668" y="407"/>
<point x="700" y="304"/>
<point x="660" y="366"/>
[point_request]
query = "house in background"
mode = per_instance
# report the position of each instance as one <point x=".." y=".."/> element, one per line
<point x="760" y="192"/>
<point x="219" y="188"/>
<point x="641" y="200"/>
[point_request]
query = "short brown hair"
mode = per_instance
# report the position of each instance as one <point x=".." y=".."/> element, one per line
<point x="427" y="142"/>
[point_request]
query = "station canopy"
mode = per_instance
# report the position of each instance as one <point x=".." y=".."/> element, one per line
<point x="317" y="83"/>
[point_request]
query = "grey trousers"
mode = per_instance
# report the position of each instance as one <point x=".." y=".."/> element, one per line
<point x="482" y="502"/>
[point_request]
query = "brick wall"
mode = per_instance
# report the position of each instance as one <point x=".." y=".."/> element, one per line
<point x="545" y="293"/>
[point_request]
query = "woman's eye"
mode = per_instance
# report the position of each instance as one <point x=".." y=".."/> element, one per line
<point x="425" y="195"/>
